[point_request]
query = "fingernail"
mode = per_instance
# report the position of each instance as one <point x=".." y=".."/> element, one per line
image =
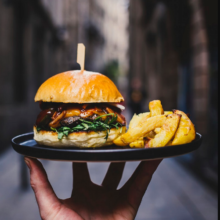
<point x="27" y="162"/>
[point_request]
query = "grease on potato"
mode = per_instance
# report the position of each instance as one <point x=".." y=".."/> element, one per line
<point x="137" y="118"/>
<point x="186" y="132"/>
<point x="168" y="113"/>
<point x="119" y="142"/>
<point x="150" y="135"/>
<point x="156" y="108"/>
<point x="157" y="130"/>
<point x="144" y="126"/>
<point x="137" y="144"/>
<point x="167" y="132"/>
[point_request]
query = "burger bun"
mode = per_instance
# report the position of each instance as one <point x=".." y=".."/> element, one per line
<point x="80" y="139"/>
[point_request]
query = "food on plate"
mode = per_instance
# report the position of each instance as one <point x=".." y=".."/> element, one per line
<point x="145" y="126"/>
<point x="168" y="113"/>
<point x="151" y="135"/>
<point x="156" y="108"/>
<point x="158" y="128"/>
<point x="83" y="109"/>
<point x="167" y="132"/>
<point x="137" y="118"/>
<point x="186" y="132"/>
<point x="79" y="109"/>
<point x="119" y="142"/>
<point x="138" y="144"/>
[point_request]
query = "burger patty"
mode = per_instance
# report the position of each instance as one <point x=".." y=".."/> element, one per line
<point x="71" y="121"/>
<point x="69" y="115"/>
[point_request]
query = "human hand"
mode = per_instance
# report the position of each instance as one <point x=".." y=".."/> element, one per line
<point x="88" y="200"/>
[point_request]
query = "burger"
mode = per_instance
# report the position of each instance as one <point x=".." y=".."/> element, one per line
<point x="79" y="109"/>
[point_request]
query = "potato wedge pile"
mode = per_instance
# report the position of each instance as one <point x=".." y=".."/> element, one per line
<point x="158" y="129"/>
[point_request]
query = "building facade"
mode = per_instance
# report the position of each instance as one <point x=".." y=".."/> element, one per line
<point x="173" y="57"/>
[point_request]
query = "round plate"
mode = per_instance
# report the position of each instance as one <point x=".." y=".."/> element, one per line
<point x="25" y="144"/>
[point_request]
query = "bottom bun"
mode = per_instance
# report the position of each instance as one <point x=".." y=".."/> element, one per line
<point x="78" y="139"/>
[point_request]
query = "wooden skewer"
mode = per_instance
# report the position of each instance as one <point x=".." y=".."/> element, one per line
<point x="81" y="56"/>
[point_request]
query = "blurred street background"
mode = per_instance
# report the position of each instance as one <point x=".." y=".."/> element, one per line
<point x="151" y="49"/>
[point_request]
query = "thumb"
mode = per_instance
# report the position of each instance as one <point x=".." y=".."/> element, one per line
<point x="49" y="204"/>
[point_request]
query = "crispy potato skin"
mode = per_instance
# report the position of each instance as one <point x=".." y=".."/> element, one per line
<point x="150" y="135"/>
<point x="186" y="132"/>
<point x="157" y="130"/>
<point x="119" y="142"/>
<point x="168" y="113"/>
<point x="137" y="144"/>
<point x="137" y="118"/>
<point x="144" y="126"/>
<point x="167" y="132"/>
<point x="170" y="143"/>
<point x="133" y="123"/>
<point x="156" y="108"/>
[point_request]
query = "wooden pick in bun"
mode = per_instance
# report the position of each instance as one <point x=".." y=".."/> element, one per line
<point x="79" y="109"/>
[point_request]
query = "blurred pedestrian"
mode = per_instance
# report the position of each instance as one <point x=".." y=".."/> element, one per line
<point x="137" y="96"/>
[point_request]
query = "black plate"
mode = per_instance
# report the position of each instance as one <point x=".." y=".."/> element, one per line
<point x="25" y="145"/>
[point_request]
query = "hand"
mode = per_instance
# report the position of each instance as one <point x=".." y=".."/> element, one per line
<point x="88" y="200"/>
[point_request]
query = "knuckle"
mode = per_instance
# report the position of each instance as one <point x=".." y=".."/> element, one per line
<point x="33" y="185"/>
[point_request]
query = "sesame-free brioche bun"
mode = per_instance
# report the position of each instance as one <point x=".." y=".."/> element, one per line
<point x="79" y="87"/>
<point x="77" y="139"/>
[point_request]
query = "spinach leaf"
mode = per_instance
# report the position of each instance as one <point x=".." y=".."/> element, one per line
<point x="96" y="125"/>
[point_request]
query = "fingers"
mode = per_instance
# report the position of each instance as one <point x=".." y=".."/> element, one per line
<point x="81" y="176"/>
<point x="138" y="183"/>
<point x="113" y="176"/>
<point x="45" y="196"/>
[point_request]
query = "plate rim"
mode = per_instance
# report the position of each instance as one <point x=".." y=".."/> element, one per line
<point x="101" y="152"/>
<point x="98" y="150"/>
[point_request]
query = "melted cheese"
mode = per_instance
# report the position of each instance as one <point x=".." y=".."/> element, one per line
<point x="72" y="113"/>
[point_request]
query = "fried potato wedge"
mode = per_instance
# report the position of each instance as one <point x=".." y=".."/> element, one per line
<point x="157" y="130"/>
<point x="133" y="123"/>
<point x="119" y="142"/>
<point x="137" y="118"/>
<point x="170" y="143"/>
<point x="144" y="126"/>
<point x="186" y="132"/>
<point x="137" y="144"/>
<point x="156" y="108"/>
<point x="167" y="132"/>
<point x="168" y="113"/>
<point x="150" y="135"/>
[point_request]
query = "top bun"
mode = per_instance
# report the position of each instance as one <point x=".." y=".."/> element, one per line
<point x="78" y="87"/>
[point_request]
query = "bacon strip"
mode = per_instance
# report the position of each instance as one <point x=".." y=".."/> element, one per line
<point x="91" y="112"/>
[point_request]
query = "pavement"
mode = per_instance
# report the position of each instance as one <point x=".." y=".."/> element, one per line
<point x="174" y="193"/>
